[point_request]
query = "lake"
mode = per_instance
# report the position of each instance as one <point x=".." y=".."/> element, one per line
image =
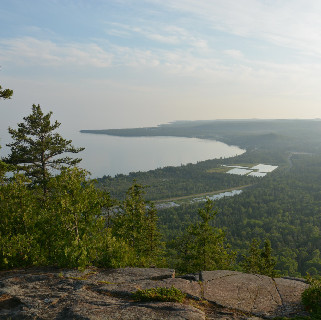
<point x="110" y="155"/>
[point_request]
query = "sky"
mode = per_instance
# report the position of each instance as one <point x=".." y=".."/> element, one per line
<point x="123" y="63"/>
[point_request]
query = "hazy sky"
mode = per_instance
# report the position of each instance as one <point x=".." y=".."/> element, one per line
<point x="127" y="63"/>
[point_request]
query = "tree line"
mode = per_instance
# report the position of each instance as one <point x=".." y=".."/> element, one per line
<point x="189" y="179"/>
<point x="52" y="213"/>
<point x="283" y="207"/>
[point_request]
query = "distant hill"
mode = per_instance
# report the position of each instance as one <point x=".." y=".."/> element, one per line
<point x="299" y="135"/>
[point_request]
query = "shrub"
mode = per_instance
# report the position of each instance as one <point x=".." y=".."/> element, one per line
<point x="159" y="294"/>
<point x="311" y="299"/>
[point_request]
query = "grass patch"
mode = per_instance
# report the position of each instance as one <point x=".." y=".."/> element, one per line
<point x="218" y="170"/>
<point x="77" y="278"/>
<point x="159" y="294"/>
<point x="295" y="318"/>
<point x="105" y="282"/>
<point x="248" y="165"/>
<point x="226" y="168"/>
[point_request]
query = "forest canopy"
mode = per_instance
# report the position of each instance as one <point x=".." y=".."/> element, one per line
<point x="67" y="219"/>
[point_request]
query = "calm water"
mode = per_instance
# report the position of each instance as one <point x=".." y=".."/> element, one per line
<point x="108" y="155"/>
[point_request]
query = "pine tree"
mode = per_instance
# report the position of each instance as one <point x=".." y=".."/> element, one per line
<point x="252" y="262"/>
<point x="3" y="169"/>
<point x="5" y="93"/>
<point x="136" y="224"/>
<point x="154" y="246"/>
<point x="36" y="148"/>
<point x="260" y="261"/>
<point x="203" y="245"/>
<point x="269" y="261"/>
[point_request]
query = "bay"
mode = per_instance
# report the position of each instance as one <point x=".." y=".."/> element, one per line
<point x="111" y="155"/>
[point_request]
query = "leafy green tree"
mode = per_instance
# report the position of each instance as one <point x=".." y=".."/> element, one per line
<point x="287" y="263"/>
<point x="260" y="261"/>
<point x="66" y="229"/>
<point x="19" y="210"/>
<point x="203" y="246"/>
<point x="36" y="148"/>
<point x="136" y="224"/>
<point x="314" y="264"/>
<point x="311" y="297"/>
<point x="73" y="225"/>
<point x="5" y="93"/>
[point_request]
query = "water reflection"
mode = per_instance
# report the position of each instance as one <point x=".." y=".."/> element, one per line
<point x="109" y="155"/>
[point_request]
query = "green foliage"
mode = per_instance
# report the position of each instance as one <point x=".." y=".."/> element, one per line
<point x="171" y="182"/>
<point x="270" y="135"/>
<point x="260" y="261"/>
<point x="75" y="227"/>
<point x="283" y="207"/>
<point x="297" y="318"/>
<point x="5" y="93"/>
<point x="4" y="168"/>
<point x="66" y="228"/>
<point x="202" y="246"/>
<point x="311" y="298"/>
<point x="59" y="220"/>
<point x="19" y="210"/>
<point x="64" y="220"/>
<point x="114" y="252"/>
<point x="35" y="149"/>
<point x="159" y="294"/>
<point x="135" y="223"/>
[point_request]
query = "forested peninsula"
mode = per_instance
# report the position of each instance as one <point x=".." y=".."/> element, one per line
<point x="284" y="206"/>
<point x="53" y="214"/>
<point x="293" y="135"/>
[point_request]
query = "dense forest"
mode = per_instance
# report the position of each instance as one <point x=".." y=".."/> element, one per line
<point x="204" y="176"/>
<point x="283" y="207"/>
<point x="52" y="213"/>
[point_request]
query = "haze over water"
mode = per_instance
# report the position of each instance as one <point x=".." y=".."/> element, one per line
<point x="109" y="155"/>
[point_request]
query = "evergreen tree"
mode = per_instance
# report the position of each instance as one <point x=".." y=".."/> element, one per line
<point x="136" y="224"/>
<point x="269" y="261"/>
<point x="5" y="93"/>
<point x="36" y="148"/>
<point x="3" y="170"/>
<point x="252" y="262"/>
<point x="260" y="261"/>
<point x="154" y="248"/>
<point x="203" y="246"/>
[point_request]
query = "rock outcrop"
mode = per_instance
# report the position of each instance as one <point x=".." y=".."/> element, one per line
<point x="107" y="294"/>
